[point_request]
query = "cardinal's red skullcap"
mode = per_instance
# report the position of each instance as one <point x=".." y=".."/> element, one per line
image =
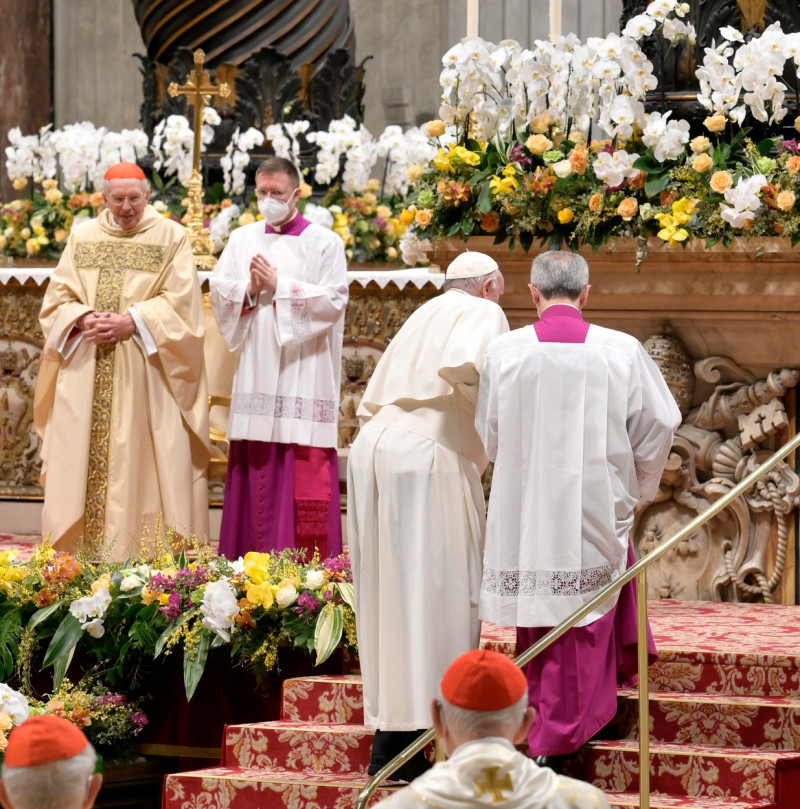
<point x="482" y="680"/>
<point x="124" y="171"/>
<point x="40" y="739"/>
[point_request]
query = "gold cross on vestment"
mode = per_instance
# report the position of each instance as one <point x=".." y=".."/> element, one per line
<point x="494" y="785"/>
<point x="198" y="92"/>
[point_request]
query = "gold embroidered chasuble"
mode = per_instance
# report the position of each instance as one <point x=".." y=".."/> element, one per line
<point x="124" y="432"/>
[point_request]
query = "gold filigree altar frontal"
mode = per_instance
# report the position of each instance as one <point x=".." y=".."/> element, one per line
<point x="707" y="319"/>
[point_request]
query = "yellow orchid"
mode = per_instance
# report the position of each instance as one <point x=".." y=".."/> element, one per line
<point x="442" y="160"/>
<point x="465" y="155"/>
<point x="507" y="183"/>
<point x="261" y="595"/>
<point x="256" y="567"/>
<point x="670" y="231"/>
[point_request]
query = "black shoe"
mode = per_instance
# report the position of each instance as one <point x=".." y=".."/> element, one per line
<point x="390" y="743"/>
<point x="554" y="763"/>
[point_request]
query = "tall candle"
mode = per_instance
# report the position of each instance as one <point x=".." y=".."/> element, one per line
<point x="555" y="19"/>
<point x="472" y="18"/>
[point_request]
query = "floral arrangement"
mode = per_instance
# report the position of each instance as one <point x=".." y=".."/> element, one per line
<point x="516" y="159"/>
<point x="113" y="621"/>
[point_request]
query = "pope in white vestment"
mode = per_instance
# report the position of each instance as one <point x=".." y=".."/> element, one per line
<point x="415" y="502"/>
<point x="282" y="489"/>
<point x="579" y="422"/>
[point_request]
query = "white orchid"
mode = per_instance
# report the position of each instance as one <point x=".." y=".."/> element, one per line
<point x="744" y="201"/>
<point x="14" y="704"/>
<point x="614" y="169"/>
<point x="90" y="611"/>
<point x="220" y="608"/>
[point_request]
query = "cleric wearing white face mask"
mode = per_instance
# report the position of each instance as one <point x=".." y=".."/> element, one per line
<point x="279" y="294"/>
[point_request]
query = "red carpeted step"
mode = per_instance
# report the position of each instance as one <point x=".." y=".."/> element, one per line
<point x="234" y="788"/>
<point x="322" y="747"/>
<point x="660" y="801"/>
<point x="709" y="719"/>
<point x="681" y="769"/>
<point x="323" y="699"/>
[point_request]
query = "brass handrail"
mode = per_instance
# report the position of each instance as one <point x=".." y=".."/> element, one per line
<point x="554" y="634"/>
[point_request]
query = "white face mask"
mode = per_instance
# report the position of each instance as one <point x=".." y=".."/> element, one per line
<point x="273" y="210"/>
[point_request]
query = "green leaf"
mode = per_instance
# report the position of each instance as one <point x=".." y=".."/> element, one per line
<point x="656" y="183"/>
<point x="553" y="243"/>
<point x="64" y="641"/>
<point x="346" y="592"/>
<point x="766" y="146"/>
<point x="194" y="665"/>
<point x="485" y="199"/>
<point x="648" y="164"/>
<point x="179" y="621"/>
<point x="182" y="559"/>
<point x="60" y="669"/>
<point x="526" y="240"/>
<point x="328" y="631"/>
<point x="43" y="614"/>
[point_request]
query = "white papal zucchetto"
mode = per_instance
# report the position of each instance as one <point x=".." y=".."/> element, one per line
<point x="470" y="265"/>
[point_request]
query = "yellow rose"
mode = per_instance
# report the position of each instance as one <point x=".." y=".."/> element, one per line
<point x="391" y="252"/>
<point x="700" y="144"/>
<point x="577" y="137"/>
<point x="373" y="184"/>
<point x="32" y="246"/>
<point x="720" y="181"/>
<point x="20" y="183"/>
<point x="715" y="123"/>
<point x="413" y="172"/>
<point x="53" y="195"/>
<point x="422" y="218"/>
<point x="565" y="216"/>
<point x="148" y="596"/>
<point x="305" y="192"/>
<point x="538" y="144"/>
<point x="247" y="218"/>
<point x="49" y="183"/>
<point x="369" y="198"/>
<point x="435" y="128"/>
<point x="628" y="208"/>
<point x="6" y="722"/>
<point x="60" y="235"/>
<point x="703" y="162"/>
<point x="25" y="233"/>
<point x="595" y="203"/>
<point x="383" y="211"/>
<point x="797" y="123"/>
<point x="406" y="216"/>
<point x="785" y="200"/>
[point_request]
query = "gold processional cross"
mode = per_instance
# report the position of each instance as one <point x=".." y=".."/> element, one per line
<point x="493" y="785"/>
<point x="198" y="92"/>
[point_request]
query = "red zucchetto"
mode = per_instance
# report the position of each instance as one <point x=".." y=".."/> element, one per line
<point x="482" y="680"/>
<point x="124" y="171"/>
<point x="41" y="739"/>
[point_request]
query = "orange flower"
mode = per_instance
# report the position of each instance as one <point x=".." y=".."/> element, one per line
<point x="490" y="222"/>
<point x="793" y="164"/>
<point x="579" y="159"/>
<point x="538" y="144"/>
<point x="785" y="200"/>
<point x="667" y="197"/>
<point x="628" y="208"/>
<point x="715" y="123"/>
<point x="720" y="181"/>
<point x="596" y="203"/>
<point x="435" y="128"/>
<point x="423" y="218"/>
<point x="703" y="162"/>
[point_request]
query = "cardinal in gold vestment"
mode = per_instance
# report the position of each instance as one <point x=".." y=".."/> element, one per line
<point x="121" y="399"/>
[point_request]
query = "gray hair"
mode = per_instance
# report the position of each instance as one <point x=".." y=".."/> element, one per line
<point x="560" y="274"/>
<point x="52" y="785"/>
<point x="470" y="285"/>
<point x="145" y="186"/>
<point x="477" y="724"/>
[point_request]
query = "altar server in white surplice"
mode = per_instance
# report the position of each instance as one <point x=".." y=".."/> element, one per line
<point x="416" y="514"/>
<point x="579" y="422"/>
<point x="279" y="295"/>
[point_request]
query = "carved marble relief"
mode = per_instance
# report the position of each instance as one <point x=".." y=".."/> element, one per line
<point x="734" y="423"/>
<point x="20" y="352"/>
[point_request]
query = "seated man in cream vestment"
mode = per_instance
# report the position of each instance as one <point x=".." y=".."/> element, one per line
<point x="121" y="399"/>
<point x="482" y="713"/>
<point x="416" y="509"/>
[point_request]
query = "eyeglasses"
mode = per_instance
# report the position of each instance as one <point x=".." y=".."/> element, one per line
<point x="136" y="199"/>
<point x="262" y="193"/>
